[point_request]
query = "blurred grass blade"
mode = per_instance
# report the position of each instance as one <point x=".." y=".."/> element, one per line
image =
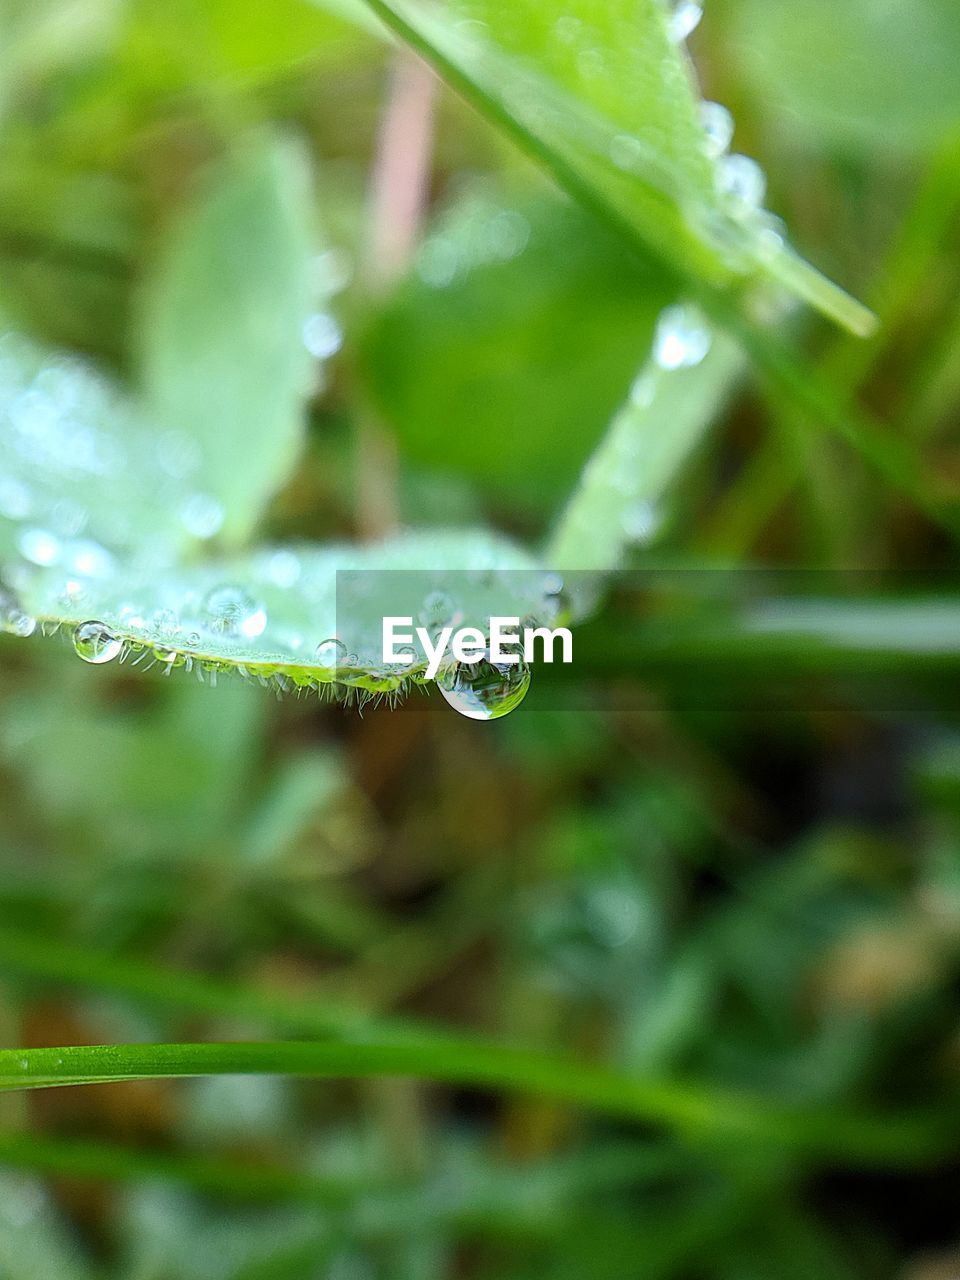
<point x="222" y="324"/>
<point x="695" y="1110"/>
<point x="605" y="97"/>
<point x="678" y="394"/>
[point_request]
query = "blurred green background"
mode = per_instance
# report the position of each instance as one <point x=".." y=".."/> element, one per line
<point x="743" y="875"/>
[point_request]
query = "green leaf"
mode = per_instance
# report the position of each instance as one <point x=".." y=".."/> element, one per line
<point x="524" y="322"/>
<point x="605" y="97"/>
<point x="674" y="400"/>
<point x="276" y="613"/>
<point x="222" y="328"/>
<point x="865" y="72"/>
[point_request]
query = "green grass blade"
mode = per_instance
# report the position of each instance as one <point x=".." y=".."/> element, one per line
<point x="697" y="1111"/>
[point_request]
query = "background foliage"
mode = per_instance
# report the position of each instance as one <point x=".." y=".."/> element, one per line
<point x="719" y="874"/>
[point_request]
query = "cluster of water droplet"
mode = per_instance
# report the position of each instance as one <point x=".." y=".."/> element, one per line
<point x="82" y="477"/>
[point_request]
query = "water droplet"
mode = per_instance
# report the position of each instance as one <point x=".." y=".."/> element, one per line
<point x="641" y="522"/>
<point x="322" y="336"/>
<point x="568" y="29"/>
<point x="438" y="610"/>
<point x="96" y="643"/>
<point x="684" y="18"/>
<point x="15" y="500"/>
<point x="682" y="339"/>
<point x="88" y="559"/>
<point x="13" y="619"/>
<point x="332" y="271"/>
<point x="552" y="584"/>
<point x="232" y="611"/>
<point x="718" y="128"/>
<point x="283" y="568"/>
<point x="627" y="152"/>
<point x="742" y="181"/>
<point x="39" y="546"/>
<point x="485" y="690"/>
<point x="438" y="262"/>
<point x="644" y="389"/>
<point x="179" y="454"/>
<point x="591" y="64"/>
<point x="202" y="515"/>
<point x="406" y="659"/>
<point x="331" y="652"/>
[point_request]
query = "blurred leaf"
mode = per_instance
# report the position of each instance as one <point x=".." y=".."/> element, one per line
<point x="605" y="98"/>
<point x="222" y="328"/>
<point x="506" y="352"/>
<point x="34" y="1242"/>
<point x="876" y="73"/>
<point x="84" y="478"/>
<point x="674" y="400"/>
<point x="38" y="37"/>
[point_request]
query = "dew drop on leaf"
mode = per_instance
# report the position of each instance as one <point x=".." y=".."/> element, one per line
<point x="96" y="643"/>
<point x="684" y="18"/>
<point x="485" y="690"/>
<point x="331" y="652"/>
<point x="14" y="620"/>
<point x="231" y="611"/>
<point x="718" y="128"/>
<point x="682" y="339"/>
<point x="743" y="182"/>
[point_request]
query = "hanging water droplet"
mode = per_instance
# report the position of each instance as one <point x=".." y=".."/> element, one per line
<point x="232" y="611"/>
<point x="684" y="18"/>
<point x="718" y="128"/>
<point x="331" y="652"/>
<point x="485" y="690"/>
<point x="742" y="181"/>
<point x="96" y="643"/>
<point x="682" y="339"/>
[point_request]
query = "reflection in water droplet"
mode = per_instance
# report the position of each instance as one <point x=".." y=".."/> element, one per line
<point x="331" y="652"/>
<point x="718" y="127"/>
<point x="485" y="690"/>
<point x="742" y="181"/>
<point x="682" y="339"/>
<point x="232" y="611"/>
<point x="96" y="643"/>
<point x="684" y="18"/>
